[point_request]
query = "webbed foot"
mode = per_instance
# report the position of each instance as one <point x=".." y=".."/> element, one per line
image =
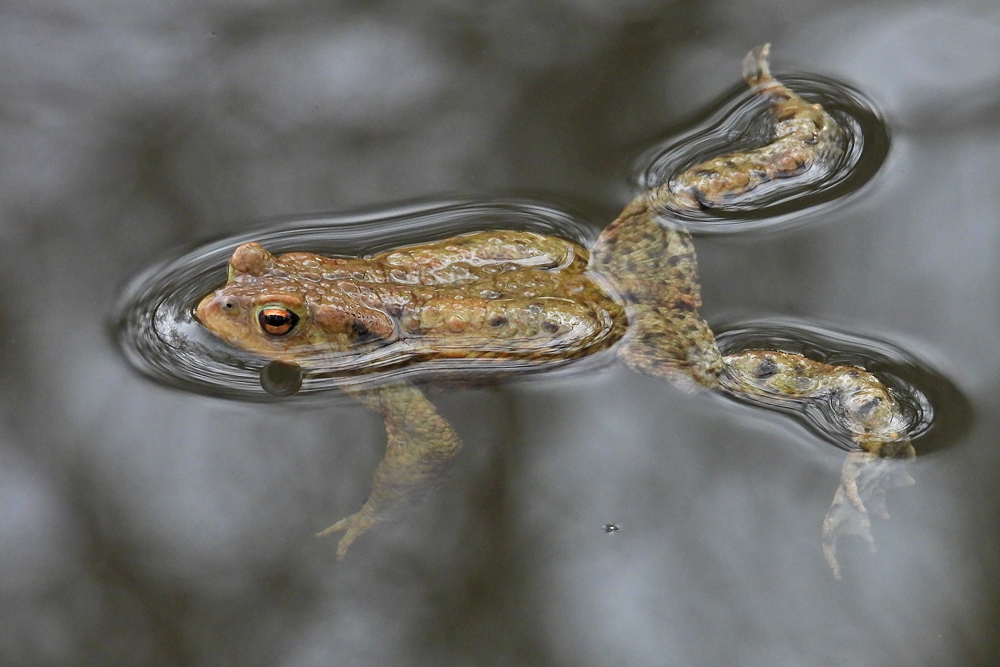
<point x="354" y="526"/>
<point x="755" y="68"/>
<point x="864" y="479"/>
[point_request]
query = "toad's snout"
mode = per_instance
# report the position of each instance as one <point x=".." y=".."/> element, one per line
<point x="203" y="311"/>
<point x="216" y="307"/>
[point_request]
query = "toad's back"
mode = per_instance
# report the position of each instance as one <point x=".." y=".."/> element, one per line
<point x="505" y="295"/>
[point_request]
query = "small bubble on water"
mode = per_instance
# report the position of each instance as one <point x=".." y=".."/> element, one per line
<point x="281" y="379"/>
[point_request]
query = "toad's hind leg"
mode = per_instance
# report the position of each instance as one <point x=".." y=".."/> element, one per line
<point x="650" y="263"/>
<point x="421" y="447"/>
<point x="652" y="266"/>
<point x="804" y="136"/>
<point x="858" y="403"/>
<point x="864" y="480"/>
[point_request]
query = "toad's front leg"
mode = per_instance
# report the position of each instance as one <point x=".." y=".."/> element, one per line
<point x="421" y="447"/>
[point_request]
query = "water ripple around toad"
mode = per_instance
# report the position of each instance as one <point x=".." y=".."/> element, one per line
<point x="740" y="122"/>
<point x="155" y="328"/>
<point x="934" y="410"/>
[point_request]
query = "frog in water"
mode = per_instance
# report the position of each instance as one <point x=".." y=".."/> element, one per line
<point x="515" y="299"/>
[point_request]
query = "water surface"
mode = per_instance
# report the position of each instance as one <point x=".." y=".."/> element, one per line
<point x="152" y="525"/>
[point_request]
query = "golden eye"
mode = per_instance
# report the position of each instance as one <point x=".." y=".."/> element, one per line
<point x="277" y="321"/>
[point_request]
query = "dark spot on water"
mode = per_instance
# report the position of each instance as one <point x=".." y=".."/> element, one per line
<point x="611" y="528"/>
<point x="281" y="379"/>
<point x="497" y="321"/>
<point x="550" y="327"/>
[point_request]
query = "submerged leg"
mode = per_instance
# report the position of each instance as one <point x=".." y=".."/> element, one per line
<point x="864" y="479"/>
<point x="857" y="402"/>
<point x="421" y="447"/>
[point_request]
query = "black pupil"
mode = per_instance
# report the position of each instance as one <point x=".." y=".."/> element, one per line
<point x="278" y="320"/>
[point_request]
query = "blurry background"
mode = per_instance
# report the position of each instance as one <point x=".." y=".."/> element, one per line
<point x="140" y="525"/>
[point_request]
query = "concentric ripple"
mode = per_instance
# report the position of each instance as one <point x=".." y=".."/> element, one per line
<point x="154" y="325"/>
<point x="933" y="409"/>
<point x="742" y="121"/>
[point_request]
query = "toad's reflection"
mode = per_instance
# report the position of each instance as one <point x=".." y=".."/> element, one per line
<point x="518" y="299"/>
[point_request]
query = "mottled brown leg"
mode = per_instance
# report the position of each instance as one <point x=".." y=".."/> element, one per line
<point x="421" y="446"/>
<point x="804" y="135"/>
<point x="651" y="265"/>
<point x="867" y="409"/>
<point x="653" y="268"/>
